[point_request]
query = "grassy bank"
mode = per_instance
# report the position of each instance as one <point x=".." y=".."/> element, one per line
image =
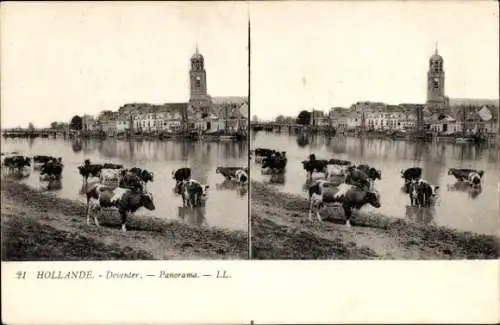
<point x="40" y="226"/>
<point x="281" y="230"/>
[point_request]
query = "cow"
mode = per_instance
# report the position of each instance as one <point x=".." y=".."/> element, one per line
<point x="193" y="193"/>
<point x="16" y="163"/>
<point x="339" y="162"/>
<point x="358" y="178"/>
<point x="261" y="153"/>
<point x="371" y="172"/>
<point x="89" y="170"/>
<point x="241" y="176"/>
<point x="323" y="193"/>
<point x="422" y="193"/>
<point x="474" y="179"/>
<point x="229" y="172"/>
<point x="275" y="163"/>
<point x="144" y="175"/>
<point x="109" y="175"/>
<point x="314" y="165"/>
<point x="126" y="201"/>
<point x="463" y="174"/>
<point x="51" y="171"/>
<point x="130" y="181"/>
<point x="39" y="160"/>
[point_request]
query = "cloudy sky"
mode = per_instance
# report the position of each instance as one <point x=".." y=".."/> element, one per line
<point x="337" y="53"/>
<point x="61" y="59"/>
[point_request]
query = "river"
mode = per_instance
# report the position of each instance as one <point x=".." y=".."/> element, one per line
<point x="226" y="207"/>
<point x="457" y="207"/>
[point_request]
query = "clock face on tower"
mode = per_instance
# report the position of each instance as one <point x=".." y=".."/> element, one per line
<point x="435" y="82"/>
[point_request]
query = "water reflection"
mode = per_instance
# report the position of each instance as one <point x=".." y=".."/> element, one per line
<point x="391" y="156"/>
<point x="462" y="186"/>
<point x="232" y="185"/>
<point x="193" y="216"/>
<point x="420" y="215"/>
<point x="76" y="146"/>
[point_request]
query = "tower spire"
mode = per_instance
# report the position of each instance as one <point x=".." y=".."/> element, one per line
<point x="436" y="47"/>
<point x="197" y="48"/>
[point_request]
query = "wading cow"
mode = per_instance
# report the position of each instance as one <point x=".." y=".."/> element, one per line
<point x="322" y="193"/>
<point x="126" y="201"/>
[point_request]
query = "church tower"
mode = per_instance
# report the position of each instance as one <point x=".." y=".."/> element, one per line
<point x="436" y="100"/>
<point x="199" y="100"/>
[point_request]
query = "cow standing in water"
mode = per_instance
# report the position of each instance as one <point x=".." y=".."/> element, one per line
<point x="126" y="201"/>
<point x="194" y="194"/>
<point x="322" y="193"/>
<point x="422" y="193"/>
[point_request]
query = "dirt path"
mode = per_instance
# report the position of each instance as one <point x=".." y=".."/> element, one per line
<point x="282" y="230"/>
<point x="39" y="226"/>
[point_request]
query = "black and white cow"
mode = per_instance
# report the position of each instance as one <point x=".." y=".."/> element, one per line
<point x="371" y="172"/>
<point x="144" y="175"/>
<point x="261" y="153"/>
<point x="422" y="194"/>
<point x="130" y="181"/>
<point x="241" y="176"/>
<point x="323" y="193"/>
<point x="39" y="160"/>
<point x="358" y="178"/>
<point x="194" y="194"/>
<point x="474" y="179"/>
<point x="462" y="174"/>
<point x="126" y="201"/>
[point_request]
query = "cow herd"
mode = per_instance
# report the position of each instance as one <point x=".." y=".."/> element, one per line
<point x="125" y="189"/>
<point x="50" y="168"/>
<point x="120" y="188"/>
<point x="344" y="184"/>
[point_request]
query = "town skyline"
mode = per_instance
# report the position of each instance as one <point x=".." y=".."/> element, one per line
<point x="377" y="52"/>
<point x="94" y="58"/>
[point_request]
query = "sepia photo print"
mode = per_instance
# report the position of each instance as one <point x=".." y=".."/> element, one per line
<point x="374" y="131"/>
<point x="124" y="131"/>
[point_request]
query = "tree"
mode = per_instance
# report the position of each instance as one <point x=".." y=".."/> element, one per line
<point x="76" y="123"/>
<point x="54" y="125"/>
<point x="304" y="118"/>
<point x="255" y="118"/>
<point x="31" y="127"/>
<point x="280" y="119"/>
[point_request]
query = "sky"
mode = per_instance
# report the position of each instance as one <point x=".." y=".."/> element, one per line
<point x="327" y="54"/>
<point x="61" y="59"/>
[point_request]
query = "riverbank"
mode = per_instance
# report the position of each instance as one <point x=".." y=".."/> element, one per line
<point x="281" y="230"/>
<point x="39" y="226"/>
